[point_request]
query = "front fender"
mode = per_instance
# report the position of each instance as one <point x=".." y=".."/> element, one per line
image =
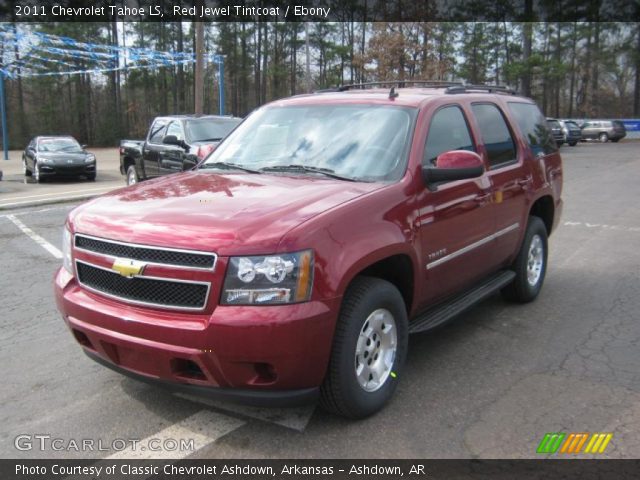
<point x="351" y="237"/>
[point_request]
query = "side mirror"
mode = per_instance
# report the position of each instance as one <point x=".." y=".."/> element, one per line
<point x="453" y="165"/>
<point x="83" y="146"/>
<point x="173" y="140"/>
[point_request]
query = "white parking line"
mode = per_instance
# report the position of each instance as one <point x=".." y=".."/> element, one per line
<point x="295" y="418"/>
<point x="42" y="210"/>
<point x="95" y="189"/>
<point x="602" y="226"/>
<point x="203" y="428"/>
<point x="54" y="198"/>
<point x="35" y="237"/>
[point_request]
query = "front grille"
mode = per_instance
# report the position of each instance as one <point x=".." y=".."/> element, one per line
<point x="146" y="253"/>
<point x="144" y="290"/>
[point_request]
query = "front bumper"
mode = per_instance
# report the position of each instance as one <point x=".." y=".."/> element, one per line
<point x="67" y="170"/>
<point x="266" y="355"/>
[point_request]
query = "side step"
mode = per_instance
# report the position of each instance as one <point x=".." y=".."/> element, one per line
<point x="446" y="311"/>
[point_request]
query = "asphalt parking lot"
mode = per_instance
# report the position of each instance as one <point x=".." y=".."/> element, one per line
<point x="489" y="385"/>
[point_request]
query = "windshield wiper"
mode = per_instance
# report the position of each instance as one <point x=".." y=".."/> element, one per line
<point x="216" y="139"/>
<point x="304" y="168"/>
<point x="229" y="166"/>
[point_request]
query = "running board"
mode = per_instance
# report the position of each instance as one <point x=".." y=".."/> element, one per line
<point x="443" y="312"/>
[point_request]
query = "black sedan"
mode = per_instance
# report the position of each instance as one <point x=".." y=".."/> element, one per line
<point x="61" y="156"/>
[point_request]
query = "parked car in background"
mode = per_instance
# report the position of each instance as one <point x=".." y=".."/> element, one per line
<point x="295" y="260"/>
<point x="571" y="131"/>
<point x="603" y="130"/>
<point x="173" y="144"/>
<point x="556" y="130"/>
<point x="57" y="156"/>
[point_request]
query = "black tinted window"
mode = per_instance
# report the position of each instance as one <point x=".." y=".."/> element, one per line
<point x="156" y="134"/>
<point x="534" y="127"/>
<point x="448" y="131"/>
<point x="495" y="134"/>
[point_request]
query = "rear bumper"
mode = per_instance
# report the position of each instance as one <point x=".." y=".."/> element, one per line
<point x="268" y="355"/>
<point x="573" y="137"/>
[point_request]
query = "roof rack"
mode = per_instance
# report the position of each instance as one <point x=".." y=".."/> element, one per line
<point x="391" y="83"/>
<point x="480" y="88"/>
<point x="450" y="87"/>
<point x="398" y="84"/>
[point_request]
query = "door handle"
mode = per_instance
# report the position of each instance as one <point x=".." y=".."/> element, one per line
<point x="525" y="182"/>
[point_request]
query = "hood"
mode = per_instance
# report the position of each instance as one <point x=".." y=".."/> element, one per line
<point x="224" y="213"/>
<point x="64" y="157"/>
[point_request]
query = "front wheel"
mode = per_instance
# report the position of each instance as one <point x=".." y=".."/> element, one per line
<point x="369" y="349"/>
<point x="573" y="144"/>
<point x="530" y="265"/>
<point x="36" y="173"/>
<point x="25" y="169"/>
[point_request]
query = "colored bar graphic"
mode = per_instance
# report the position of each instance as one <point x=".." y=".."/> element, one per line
<point x="598" y="443"/>
<point x="551" y="442"/>
<point x="572" y="443"/>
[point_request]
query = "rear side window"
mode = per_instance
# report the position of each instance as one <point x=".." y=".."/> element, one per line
<point x="448" y="131"/>
<point x="495" y="133"/>
<point x="534" y="127"/>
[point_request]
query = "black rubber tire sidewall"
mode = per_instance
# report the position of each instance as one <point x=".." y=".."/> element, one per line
<point x="340" y="392"/>
<point x="520" y="290"/>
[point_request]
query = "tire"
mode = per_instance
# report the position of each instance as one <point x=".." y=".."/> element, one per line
<point x="615" y="140"/>
<point x="369" y="302"/>
<point x="573" y="144"/>
<point x="36" y="173"/>
<point x="603" y="137"/>
<point x="530" y="265"/>
<point x="132" y="175"/>
<point x="27" y="172"/>
<point x="91" y="178"/>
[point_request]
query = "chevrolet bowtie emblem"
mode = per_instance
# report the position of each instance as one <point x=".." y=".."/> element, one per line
<point x="128" y="268"/>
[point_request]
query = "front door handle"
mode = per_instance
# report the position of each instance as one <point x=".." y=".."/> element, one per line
<point x="481" y="199"/>
<point x="525" y="182"/>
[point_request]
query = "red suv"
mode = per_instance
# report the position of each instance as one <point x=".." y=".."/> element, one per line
<point x="296" y="259"/>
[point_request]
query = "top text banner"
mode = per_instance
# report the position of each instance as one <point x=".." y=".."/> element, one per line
<point x="320" y="10"/>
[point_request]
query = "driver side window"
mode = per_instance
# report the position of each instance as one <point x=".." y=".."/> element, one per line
<point x="448" y="130"/>
<point x="175" y="129"/>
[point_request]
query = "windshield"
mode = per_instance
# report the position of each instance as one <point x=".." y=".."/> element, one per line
<point x="209" y="129"/>
<point x="554" y="123"/>
<point x="573" y="125"/>
<point x="360" y="142"/>
<point x="58" y="145"/>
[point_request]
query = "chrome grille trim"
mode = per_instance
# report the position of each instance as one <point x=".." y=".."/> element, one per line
<point x="143" y="303"/>
<point x="213" y="256"/>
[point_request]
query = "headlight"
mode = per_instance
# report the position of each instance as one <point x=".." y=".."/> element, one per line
<point x="89" y="159"/>
<point x="44" y="160"/>
<point x="268" y="280"/>
<point x="66" y="250"/>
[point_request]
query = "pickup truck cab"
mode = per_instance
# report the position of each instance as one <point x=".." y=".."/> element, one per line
<point x="173" y="144"/>
<point x="295" y="260"/>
